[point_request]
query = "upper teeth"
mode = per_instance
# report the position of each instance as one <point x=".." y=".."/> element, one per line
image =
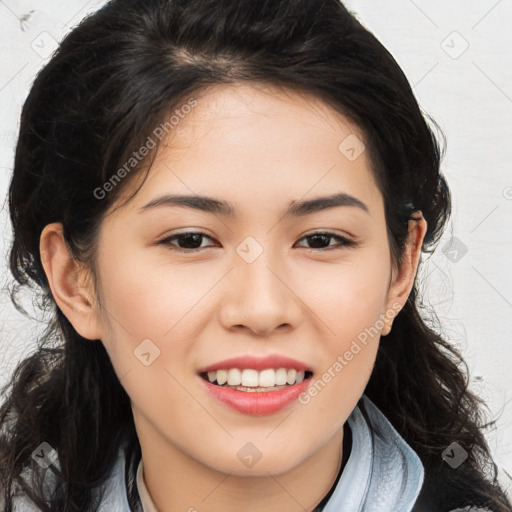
<point x="254" y="378"/>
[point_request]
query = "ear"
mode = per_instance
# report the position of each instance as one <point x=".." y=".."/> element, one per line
<point x="68" y="282"/>
<point x="402" y="278"/>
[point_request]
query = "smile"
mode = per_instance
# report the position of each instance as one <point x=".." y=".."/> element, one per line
<point x="251" y="380"/>
<point x="256" y="392"/>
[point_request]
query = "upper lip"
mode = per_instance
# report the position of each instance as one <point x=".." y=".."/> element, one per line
<point x="257" y="363"/>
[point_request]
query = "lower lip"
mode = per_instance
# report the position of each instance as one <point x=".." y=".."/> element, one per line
<point x="256" y="403"/>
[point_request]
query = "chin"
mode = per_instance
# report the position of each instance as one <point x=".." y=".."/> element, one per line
<point x="251" y="461"/>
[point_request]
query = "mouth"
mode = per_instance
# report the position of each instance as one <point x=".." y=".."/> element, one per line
<point x="255" y="385"/>
<point x="251" y="380"/>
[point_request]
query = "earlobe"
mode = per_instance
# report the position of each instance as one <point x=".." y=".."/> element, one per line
<point x="67" y="282"/>
<point x="403" y="277"/>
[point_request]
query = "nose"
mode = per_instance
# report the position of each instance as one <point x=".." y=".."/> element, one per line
<point x="259" y="298"/>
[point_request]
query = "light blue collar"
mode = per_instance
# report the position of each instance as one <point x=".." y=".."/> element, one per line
<point x="382" y="473"/>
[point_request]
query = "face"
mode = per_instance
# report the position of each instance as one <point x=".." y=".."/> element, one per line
<point x="184" y="290"/>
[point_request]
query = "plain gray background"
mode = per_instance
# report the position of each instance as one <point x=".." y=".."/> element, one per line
<point x="457" y="57"/>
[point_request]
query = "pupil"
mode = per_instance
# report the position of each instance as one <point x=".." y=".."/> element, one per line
<point x="316" y="237"/>
<point x="191" y="237"/>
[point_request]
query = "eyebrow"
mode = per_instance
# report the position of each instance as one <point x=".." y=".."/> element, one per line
<point x="216" y="206"/>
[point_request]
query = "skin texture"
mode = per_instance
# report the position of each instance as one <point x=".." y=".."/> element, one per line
<point x="259" y="149"/>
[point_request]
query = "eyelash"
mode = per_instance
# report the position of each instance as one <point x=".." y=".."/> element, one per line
<point x="344" y="242"/>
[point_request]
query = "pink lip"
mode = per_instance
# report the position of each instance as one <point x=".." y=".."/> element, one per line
<point x="257" y="363"/>
<point x="256" y="403"/>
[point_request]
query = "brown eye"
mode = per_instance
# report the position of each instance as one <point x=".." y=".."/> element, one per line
<point x="321" y="240"/>
<point x="187" y="242"/>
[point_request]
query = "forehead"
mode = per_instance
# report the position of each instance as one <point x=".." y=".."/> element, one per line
<point x="244" y="142"/>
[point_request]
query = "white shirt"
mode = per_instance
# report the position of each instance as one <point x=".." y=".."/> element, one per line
<point x="145" y="498"/>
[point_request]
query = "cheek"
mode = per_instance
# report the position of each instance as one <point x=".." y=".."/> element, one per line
<point x="349" y="303"/>
<point x="347" y="296"/>
<point x="148" y="299"/>
<point x="147" y="309"/>
<point x="351" y="309"/>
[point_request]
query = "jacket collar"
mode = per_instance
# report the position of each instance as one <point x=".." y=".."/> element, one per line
<point x="383" y="472"/>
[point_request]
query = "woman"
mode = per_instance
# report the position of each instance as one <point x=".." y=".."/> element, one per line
<point x="268" y="369"/>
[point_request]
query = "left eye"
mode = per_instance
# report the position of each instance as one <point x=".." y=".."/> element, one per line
<point x="192" y="239"/>
<point x="320" y="237"/>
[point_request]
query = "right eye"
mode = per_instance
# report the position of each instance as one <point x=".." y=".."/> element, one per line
<point x="191" y="240"/>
